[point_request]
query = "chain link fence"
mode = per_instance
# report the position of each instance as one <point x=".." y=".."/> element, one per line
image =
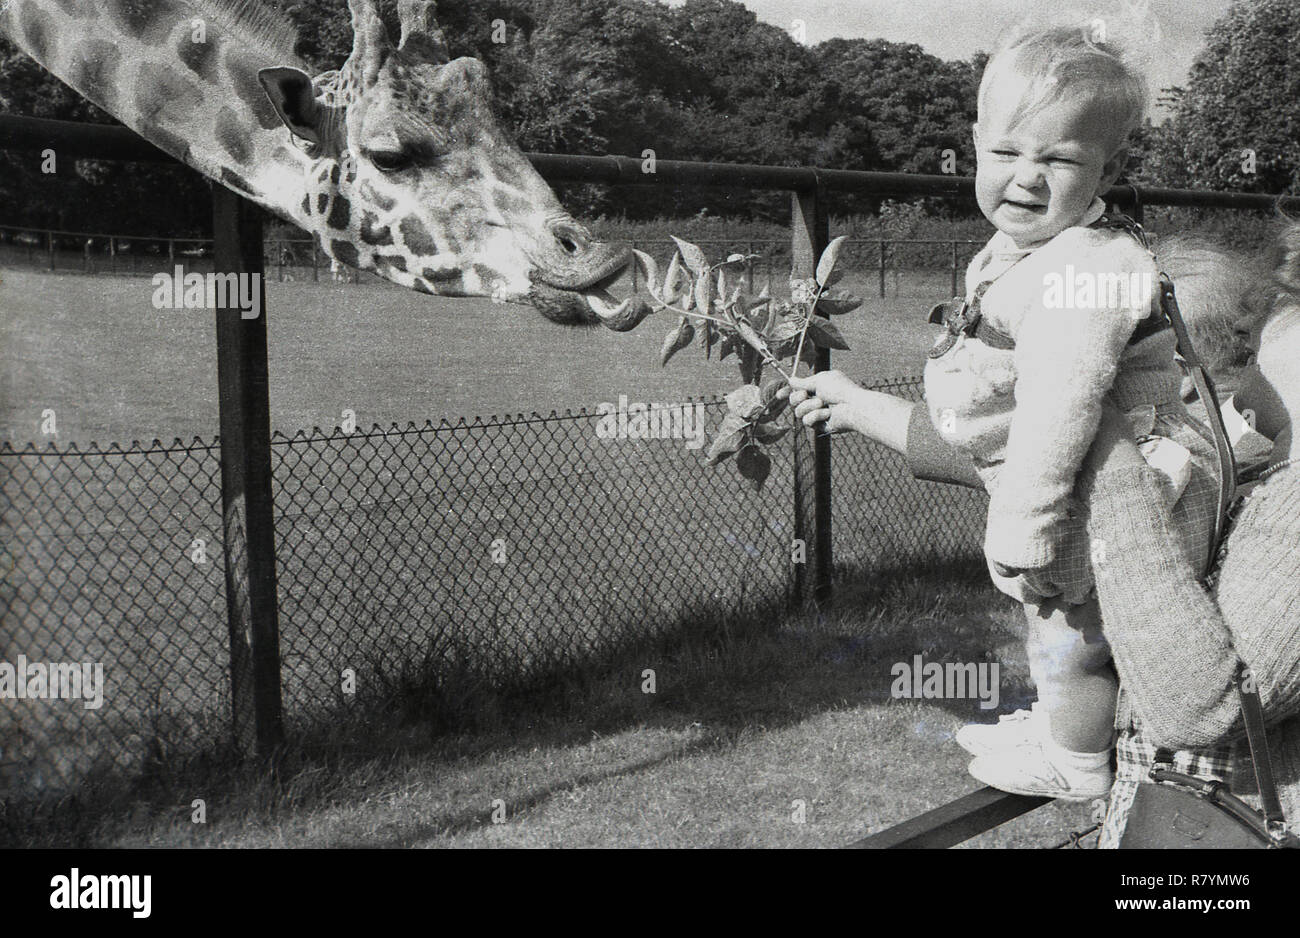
<point x="505" y="548"/>
<point x="881" y="517"/>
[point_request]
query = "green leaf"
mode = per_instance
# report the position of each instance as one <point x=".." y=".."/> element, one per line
<point x="751" y="336"/>
<point x="809" y="354"/>
<point x="837" y="304"/>
<point x="730" y="438"/>
<point x="672" y="287"/>
<point x="746" y="402"/>
<point x="693" y="257"/>
<point x="722" y="284"/>
<point x="755" y="465"/>
<point x="770" y="432"/>
<point x="677" y="340"/>
<point x="769" y="391"/>
<point x="751" y="364"/>
<point x="826" y="266"/>
<point x="823" y="333"/>
<point x="649" y="269"/>
<point x="702" y="296"/>
<point x="788" y="327"/>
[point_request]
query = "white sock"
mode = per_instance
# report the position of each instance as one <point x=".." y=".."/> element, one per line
<point x="1076" y="761"/>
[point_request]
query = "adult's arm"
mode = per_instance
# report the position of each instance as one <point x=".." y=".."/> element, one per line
<point x="1176" y="647"/>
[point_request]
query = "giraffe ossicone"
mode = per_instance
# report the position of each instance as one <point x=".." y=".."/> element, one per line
<point x="395" y="162"/>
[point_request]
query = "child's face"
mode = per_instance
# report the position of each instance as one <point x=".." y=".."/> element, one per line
<point x="1037" y="176"/>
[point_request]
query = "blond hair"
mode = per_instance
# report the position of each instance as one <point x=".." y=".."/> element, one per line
<point x="1061" y="62"/>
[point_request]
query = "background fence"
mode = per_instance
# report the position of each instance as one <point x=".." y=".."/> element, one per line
<point x="504" y="549"/>
<point x="300" y="260"/>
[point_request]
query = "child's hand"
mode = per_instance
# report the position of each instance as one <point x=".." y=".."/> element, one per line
<point x="823" y="397"/>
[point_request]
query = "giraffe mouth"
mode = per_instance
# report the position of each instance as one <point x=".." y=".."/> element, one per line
<point x="590" y="305"/>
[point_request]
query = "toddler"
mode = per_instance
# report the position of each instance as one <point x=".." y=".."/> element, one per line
<point x="1062" y="310"/>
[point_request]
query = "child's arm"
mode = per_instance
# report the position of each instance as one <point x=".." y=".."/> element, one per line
<point x="833" y="397"/>
<point x="1066" y="361"/>
<point x="901" y="425"/>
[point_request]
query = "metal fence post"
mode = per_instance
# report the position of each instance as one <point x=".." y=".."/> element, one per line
<point x="954" y="268"/>
<point x="49" y="241"/>
<point x="247" y="509"/>
<point x="1128" y="203"/>
<point x="882" y="267"/>
<point x="809" y="235"/>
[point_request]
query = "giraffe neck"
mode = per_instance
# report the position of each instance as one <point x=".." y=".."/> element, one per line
<point x="199" y="101"/>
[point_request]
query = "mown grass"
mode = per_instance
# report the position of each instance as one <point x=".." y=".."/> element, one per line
<point x="753" y="713"/>
<point x="756" y="682"/>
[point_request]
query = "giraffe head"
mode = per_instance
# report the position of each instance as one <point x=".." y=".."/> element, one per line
<point x="408" y="174"/>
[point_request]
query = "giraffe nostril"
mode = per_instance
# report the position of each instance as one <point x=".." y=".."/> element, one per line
<point x="572" y="240"/>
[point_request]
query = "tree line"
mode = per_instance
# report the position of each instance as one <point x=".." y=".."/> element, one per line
<point x="706" y="81"/>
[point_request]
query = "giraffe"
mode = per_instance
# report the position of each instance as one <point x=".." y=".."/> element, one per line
<point x="394" y="162"/>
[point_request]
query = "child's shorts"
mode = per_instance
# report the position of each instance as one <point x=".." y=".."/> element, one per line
<point x="1180" y="449"/>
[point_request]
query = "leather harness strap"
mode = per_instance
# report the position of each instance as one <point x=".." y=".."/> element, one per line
<point x="963" y="318"/>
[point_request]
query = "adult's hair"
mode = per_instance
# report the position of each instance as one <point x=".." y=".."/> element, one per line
<point x="1224" y="294"/>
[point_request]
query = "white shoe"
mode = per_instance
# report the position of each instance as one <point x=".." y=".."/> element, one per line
<point x="1012" y="729"/>
<point x="1030" y="770"/>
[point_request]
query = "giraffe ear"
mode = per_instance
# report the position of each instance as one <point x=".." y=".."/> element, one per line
<point x="294" y="98"/>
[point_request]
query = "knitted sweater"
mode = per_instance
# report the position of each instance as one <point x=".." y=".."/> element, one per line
<point x="1176" y="646"/>
<point x="1028" y="415"/>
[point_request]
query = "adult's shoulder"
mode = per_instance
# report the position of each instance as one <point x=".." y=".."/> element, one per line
<point x="1264" y="543"/>
<point x="1275" y="502"/>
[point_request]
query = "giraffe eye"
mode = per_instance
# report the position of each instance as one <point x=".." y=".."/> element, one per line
<point x="388" y="161"/>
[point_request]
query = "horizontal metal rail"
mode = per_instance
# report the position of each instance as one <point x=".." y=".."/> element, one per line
<point x="105" y="142"/>
<point x="950" y="824"/>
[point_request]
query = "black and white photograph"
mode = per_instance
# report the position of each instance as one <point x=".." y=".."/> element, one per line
<point x="649" y="425"/>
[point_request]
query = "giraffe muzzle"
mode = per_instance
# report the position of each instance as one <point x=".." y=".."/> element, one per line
<point x="571" y="281"/>
<point x="589" y="307"/>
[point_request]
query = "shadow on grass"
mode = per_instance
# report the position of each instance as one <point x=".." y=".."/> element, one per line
<point x="730" y="671"/>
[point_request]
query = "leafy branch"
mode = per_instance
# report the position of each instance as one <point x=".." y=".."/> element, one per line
<point x="759" y="330"/>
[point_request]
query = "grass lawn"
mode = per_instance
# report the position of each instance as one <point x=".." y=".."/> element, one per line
<point x="748" y="718"/>
<point x="752" y="712"/>
<point x="114" y="369"/>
